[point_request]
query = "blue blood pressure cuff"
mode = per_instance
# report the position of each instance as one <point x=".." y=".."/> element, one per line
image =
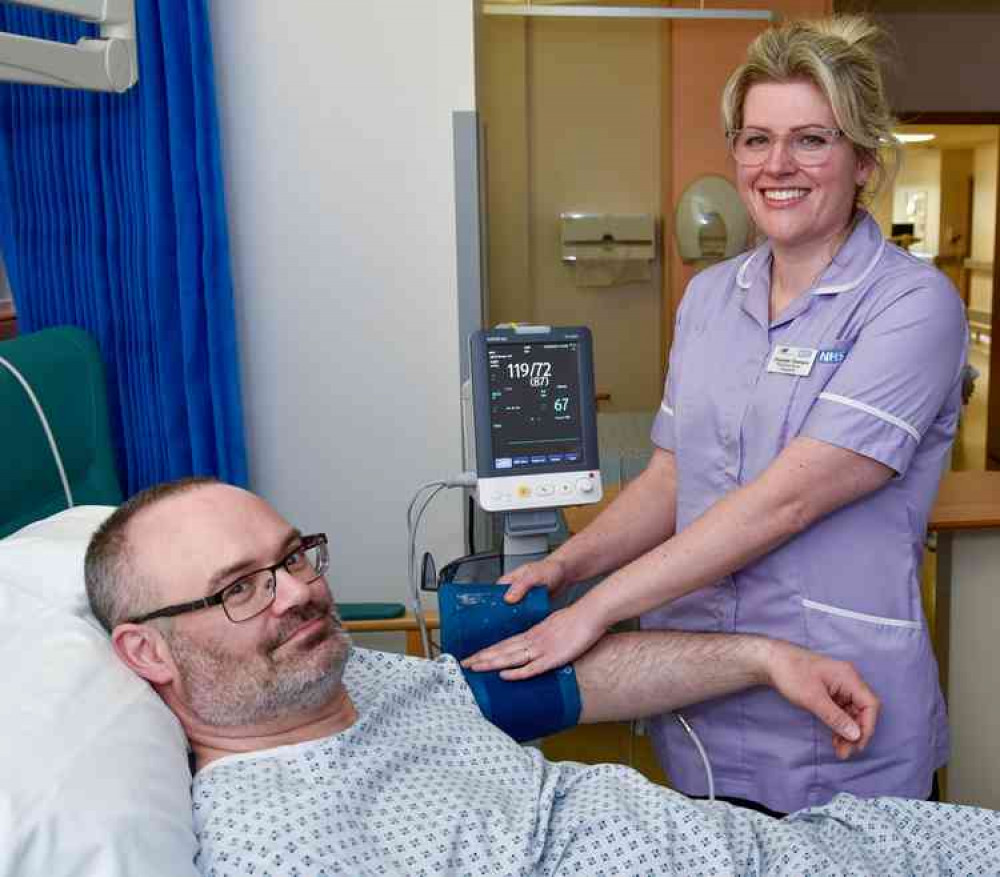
<point x="474" y="616"/>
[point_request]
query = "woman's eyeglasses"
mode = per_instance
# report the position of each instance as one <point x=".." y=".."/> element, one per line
<point x="751" y="147"/>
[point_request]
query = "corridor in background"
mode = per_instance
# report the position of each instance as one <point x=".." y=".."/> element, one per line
<point x="942" y="208"/>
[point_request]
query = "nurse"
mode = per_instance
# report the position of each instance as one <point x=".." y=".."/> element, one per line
<point x="811" y="399"/>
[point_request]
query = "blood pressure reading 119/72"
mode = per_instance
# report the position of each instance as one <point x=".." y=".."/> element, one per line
<point x="533" y="405"/>
<point x="536" y="373"/>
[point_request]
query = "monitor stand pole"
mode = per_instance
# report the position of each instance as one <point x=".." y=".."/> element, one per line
<point x="526" y="536"/>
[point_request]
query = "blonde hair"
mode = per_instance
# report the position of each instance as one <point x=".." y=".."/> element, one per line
<point x="843" y="57"/>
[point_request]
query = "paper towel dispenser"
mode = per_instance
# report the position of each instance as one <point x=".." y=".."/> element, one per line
<point x="608" y="236"/>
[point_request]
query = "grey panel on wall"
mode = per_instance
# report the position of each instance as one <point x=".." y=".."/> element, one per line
<point x="470" y="227"/>
<point x="481" y="529"/>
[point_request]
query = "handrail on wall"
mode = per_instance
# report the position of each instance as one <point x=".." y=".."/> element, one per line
<point x="108" y="63"/>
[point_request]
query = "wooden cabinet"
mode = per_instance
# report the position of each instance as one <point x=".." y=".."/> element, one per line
<point x="8" y="321"/>
<point x="966" y="519"/>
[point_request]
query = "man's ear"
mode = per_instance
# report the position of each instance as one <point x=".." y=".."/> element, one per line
<point x="144" y="649"/>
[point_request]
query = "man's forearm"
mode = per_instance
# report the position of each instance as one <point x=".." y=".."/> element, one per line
<point x="634" y="675"/>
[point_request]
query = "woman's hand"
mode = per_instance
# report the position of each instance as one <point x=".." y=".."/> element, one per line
<point x="546" y="573"/>
<point x="559" y="639"/>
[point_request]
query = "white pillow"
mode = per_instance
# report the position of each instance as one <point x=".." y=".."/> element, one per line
<point x="93" y="766"/>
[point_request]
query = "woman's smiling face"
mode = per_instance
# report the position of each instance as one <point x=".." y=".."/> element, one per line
<point x="798" y="206"/>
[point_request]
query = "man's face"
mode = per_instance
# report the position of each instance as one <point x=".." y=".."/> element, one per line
<point x="287" y="659"/>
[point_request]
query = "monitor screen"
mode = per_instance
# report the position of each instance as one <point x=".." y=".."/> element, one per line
<point x="535" y="405"/>
<point x="533" y="394"/>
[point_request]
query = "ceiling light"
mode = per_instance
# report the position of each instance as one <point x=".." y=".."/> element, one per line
<point x="913" y="138"/>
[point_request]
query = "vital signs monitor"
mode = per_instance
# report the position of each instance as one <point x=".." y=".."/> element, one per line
<point x="535" y="418"/>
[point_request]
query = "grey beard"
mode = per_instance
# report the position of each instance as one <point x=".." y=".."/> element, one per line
<point x="226" y="691"/>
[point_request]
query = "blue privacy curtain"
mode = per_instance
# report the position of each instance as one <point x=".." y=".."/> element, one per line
<point x="112" y="218"/>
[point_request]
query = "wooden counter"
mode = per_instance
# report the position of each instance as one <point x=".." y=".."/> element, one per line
<point x="404" y="623"/>
<point x="967" y="501"/>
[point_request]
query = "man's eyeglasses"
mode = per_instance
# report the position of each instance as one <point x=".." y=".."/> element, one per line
<point x="252" y="593"/>
<point x="808" y="146"/>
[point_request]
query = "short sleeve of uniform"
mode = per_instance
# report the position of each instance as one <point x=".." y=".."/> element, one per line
<point x="662" y="433"/>
<point x="901" y="371"/>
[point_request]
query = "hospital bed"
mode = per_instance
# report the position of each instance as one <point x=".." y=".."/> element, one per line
<point x="93" y="767"/>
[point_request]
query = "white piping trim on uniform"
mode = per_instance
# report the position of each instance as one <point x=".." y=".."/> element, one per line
<point x="743" y="283"/>
<point x="844" y="287"/>
<point x="666" y="409"/>
<point x="45" y="426"/>
<point x="875" y="412"/>
<point x="861" y="616"/>
<point x="741" y="275"/>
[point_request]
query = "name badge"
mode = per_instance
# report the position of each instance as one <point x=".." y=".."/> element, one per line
<point x="796" y="361"/>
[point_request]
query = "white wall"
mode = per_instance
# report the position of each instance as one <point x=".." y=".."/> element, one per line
<point x="921" y="172"/>
<point x="984" y="225"/>
<point x="337" y="150"/>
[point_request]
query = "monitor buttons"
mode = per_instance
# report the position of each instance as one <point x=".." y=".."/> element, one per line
<point x="585" y="485"/>
<point x="545" y="490"/>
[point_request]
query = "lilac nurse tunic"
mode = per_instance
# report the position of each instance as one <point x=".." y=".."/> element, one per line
<point x="880" y="343"/>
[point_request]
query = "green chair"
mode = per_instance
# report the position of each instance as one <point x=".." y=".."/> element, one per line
<point x="370" y="611"/>
<point x="63" y="369"/>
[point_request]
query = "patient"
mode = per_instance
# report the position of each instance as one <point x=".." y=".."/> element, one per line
<point x="316" y="759"/>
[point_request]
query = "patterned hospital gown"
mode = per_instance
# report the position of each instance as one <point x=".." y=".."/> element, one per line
<point x="423" y="786"/>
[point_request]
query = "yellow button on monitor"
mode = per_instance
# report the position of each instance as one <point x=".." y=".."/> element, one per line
<point x="523" y="491"/>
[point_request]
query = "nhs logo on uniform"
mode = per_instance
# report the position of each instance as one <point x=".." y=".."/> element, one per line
<point x="832" y="356"/>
